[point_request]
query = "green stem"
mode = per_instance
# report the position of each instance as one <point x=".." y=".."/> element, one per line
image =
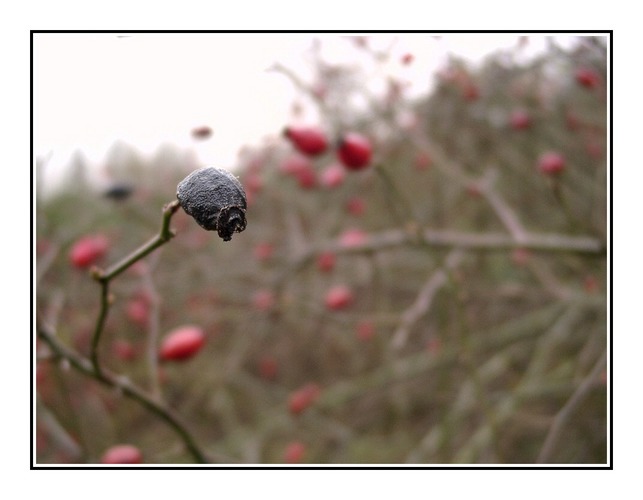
<point x="130" y="390"/>
<point x="104" y="277"/>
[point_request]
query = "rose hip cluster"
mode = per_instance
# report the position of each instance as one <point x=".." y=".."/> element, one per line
<point x="354" y="150"/>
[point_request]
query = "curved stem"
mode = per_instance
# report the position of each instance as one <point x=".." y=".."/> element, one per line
<point x="164" y="235"/>
<point x="130" y="390"/>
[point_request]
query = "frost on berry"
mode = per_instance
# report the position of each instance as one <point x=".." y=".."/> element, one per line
<point x="215" y="199"/>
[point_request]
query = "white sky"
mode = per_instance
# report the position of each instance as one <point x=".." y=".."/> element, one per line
<point x="91" y="90"/>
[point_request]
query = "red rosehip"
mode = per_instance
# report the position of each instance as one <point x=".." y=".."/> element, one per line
<point x="311" y="141"/>
<point x="520" y="256"/>
<point x="124" y="350"/>
<point x="263" y="300"/>
<point x="264" y="251"/>
<point x="356" y="206"/>
<point x="551" y="163"/>
<point x="303" y="397"/>
<point x="471" y="92"/>
<point x="333" y="176"/>
<point x="326" y="261"/>
<point x="87" y="250"/>
<point x="306" y="178"/>
<point x="407" y="58"/>
<point x="423" y="160"/>
<point x="354" y="151"/>
<point x="268" y="367"/>
<point x="294" y="452"/>
<point x="587" y="77"/>
<point x="339" y="297"/>
<point x="434" y="345"/>
<point x="365" y="330"/>
<point x="520" y="120"/>
<point x="122" y="454"/>
<point x="352" y="238"/>
<point x="295" y="163"/>
<point x="138" y="310"/>
<point x="182" y="343"/>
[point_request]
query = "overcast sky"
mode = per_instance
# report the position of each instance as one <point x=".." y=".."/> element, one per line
<point x="91" y="90"/>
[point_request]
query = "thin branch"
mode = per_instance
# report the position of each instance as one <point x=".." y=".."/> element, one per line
<point x="424" y="299"/>
<point x="566" y="412"/>
<point x="104" y="277"/>
<point x="127" y="388"/>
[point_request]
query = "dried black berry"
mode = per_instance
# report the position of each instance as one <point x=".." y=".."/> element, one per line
<point x="215" y="199"/>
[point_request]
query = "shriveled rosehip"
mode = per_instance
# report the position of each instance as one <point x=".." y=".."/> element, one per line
<point x="311" y="141"/>
<point x="122" y="454"/>
<point x="87" y="250"/>
<point x="551" y="163"/>
<point x="294" y="452"/>
<point x="339" y="297"/>
<point x="303" y="398"/>
<point x="587" y="77"/>
<point x="182" y="343"/>
<point x="215" y="199"/>
<point x="354" y="151"/>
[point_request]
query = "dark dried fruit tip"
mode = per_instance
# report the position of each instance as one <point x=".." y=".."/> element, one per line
<point x="215" y="199"/>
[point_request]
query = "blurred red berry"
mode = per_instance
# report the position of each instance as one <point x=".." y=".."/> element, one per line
<point x="311" y="141"/>
<point x="306" y="178"/>
<point x="333" y="176"/>
<point x="423" y="160"/>
<point x="471" y="92"/>
<point x="264" y="251"/>
<point x="354" y="151"/>
<point x="303" y="398"/>
<point x="520" y="120"/>
<point x="407" y="58"/>
<point x="87" y="250"/>
<point x="352" y="238"/>
<point x="365" y="330"/>
<point x="434" y="345"/>
<point x="122" y="454"/>
<point x="138" y="311"/>
<point x="124" y="350"/>
<point x="263" y="300"/>
<point x="295" y="163"/>
<point x="182" y="343"/>
<point x="520" y="256"/>
<point x="587" y="77"/>
<point x="294" y="452"/>
<point x="326" y="261"/>
<point x="339" y="297"/>
<point x="203" y="132"/>
<point x="551" y="163"/>
<point x="356" y="206"/>
<point x="590" y="284"/>
<point x="268" y="367"/>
